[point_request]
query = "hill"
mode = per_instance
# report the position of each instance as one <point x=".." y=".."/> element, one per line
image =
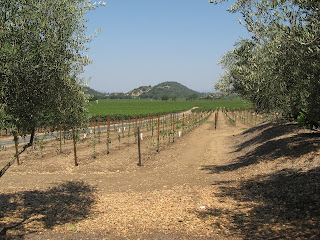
<point x="166" y="88"/>
<point x="163" y="89"/>
<point x="93" y="92"/>
<point x="139" y="91"/>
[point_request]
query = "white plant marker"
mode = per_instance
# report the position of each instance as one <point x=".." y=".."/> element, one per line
<point x="179" y="133"/>
<point x="84" y="135"/>
<point x="90" y="130"/>
<point x="141" y="136"/>
<point x="119" y="129"/>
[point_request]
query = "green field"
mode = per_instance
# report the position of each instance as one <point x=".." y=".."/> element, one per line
<point x="132" y="107"/>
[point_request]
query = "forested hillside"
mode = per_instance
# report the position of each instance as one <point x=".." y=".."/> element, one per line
<point x="170" y="89"/>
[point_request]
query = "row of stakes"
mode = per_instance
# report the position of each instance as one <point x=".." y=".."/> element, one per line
<point x="187" y="121"/>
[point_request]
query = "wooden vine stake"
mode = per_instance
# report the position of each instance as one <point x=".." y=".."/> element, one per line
<point x="139" y="149"/>
<point x="16" y="143"/>
<point x="148" y="122"/>
<point x="215" y="121"/>
<point x="182" y="123"/>
<point x="122" y="128"/>
<point x="152" y="124"/>
<point x="163" y="118"/>
<point x="99" y="128"/>
<point x="173" y="118"/>
<point x="129" y="126"/>
<point x="74" y="148"/>
<point x="108" y="133"/>
<point x="158" y="146"/>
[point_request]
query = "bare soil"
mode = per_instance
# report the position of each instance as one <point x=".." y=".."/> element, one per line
<point x="235" y="182"/>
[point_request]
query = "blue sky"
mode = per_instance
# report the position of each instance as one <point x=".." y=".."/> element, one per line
<point x="146" y="42"/>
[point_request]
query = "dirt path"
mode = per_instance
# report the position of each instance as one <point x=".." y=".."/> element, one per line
<point x="159" y="197"/>
<point x="177" y="193"/>
<point x="180" y="163"/>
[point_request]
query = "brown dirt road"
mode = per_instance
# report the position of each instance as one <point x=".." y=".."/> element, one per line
<point x="187" y="191"/>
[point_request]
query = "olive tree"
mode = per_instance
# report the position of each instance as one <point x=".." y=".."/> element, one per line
<point x="42" y="54"/>
<point x="278" y="68"/>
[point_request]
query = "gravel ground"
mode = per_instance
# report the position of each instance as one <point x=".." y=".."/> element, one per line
<point x="236" y="182"/>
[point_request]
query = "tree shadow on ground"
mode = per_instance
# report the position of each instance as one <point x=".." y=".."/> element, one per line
<point x="32" y="211"/>
<point x="271" y="148"/>
<point x="283" y="205"/>
<point x="267" y="132"/>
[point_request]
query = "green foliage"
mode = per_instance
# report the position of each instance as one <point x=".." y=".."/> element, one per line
<point x="42" y="45"/>
<point x="301" y="119"/>
<point x="277" y="69"/>
<point x="192" y="96"/>
<point x="94" y="95"/>
<point x="164" y="98"/>
<point x="174" y="97"/>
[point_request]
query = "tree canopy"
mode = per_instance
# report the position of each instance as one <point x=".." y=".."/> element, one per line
<point x="42" y="53"/>
<point x="278" y="67"/>
<point x="192" y="96"/>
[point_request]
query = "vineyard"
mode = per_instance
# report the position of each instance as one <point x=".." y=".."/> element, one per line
<point x="119" y="126"/>
<point x="188" y="171"/>
<point x="149" y="135"/>
<point x="105" y="135"/>
<point x="154" y="133"/>
<point x="72" y="168"/>
<point x="129" y="108"/>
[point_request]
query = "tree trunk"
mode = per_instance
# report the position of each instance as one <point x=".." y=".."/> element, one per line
<point x="32" y="137"/>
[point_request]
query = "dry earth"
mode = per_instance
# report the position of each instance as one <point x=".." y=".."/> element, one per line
<point x="235" y="182"/>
